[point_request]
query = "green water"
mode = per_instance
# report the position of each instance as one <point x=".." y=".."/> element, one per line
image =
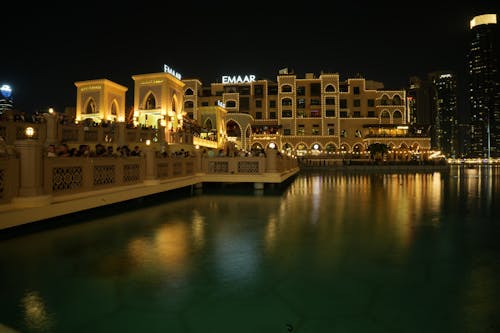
<point x="331" y="252"/>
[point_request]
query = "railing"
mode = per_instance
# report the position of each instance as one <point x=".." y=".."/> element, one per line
<point x="9" y="178"/>
<point x="59" y="176"/>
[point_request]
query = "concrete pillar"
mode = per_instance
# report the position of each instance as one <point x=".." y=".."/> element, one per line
<point x="150" y="177"/>
<point x="271" y="160"/>
<point x="30" y="192"/>
<point x="52" y="128"/>
<point x="121" y="138"/>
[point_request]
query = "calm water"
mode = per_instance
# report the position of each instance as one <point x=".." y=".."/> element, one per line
<point x="330" y="253"/>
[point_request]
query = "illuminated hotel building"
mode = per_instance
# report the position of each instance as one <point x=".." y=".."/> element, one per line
<point x="484" y="87"/>
<point x="311" y="115"/>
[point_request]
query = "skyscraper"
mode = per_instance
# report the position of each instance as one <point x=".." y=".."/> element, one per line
<point x="446" y="112"/>
<point x="484" y="87"/>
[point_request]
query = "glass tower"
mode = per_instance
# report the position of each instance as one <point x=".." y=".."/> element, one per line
<point x="484" y="92"/>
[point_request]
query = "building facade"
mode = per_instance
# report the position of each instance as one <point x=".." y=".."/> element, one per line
<point x="484" y="87"/>
<point x="308" y="116"/>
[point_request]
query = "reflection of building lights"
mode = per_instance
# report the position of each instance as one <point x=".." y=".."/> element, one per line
<point x="29" y="131"/>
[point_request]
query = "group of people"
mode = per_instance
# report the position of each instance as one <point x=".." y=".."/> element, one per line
<point x="63" y="150"/>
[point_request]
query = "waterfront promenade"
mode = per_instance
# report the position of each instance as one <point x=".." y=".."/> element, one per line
<point x="51" y="187"/>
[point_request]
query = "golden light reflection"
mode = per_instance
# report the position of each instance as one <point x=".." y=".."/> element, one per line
<point x="271" y="232"/>
<point x="169" y="246"/>
<point x="198" y="229"/>
<point x="36" y="317"/>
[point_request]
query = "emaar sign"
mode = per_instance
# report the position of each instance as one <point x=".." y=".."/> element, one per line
<point x="238" y="79"/>
<point x="170" y="71"/>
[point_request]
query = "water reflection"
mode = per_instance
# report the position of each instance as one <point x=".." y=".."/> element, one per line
<point x="36" y="317"/>
<point x="350" y="244"/>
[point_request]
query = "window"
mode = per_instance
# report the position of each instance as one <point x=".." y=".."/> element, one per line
<point x="343" y="114"/>
<point x="244" y="103"/>
<point x="188" y="104"/>
<point x="371" y="102"/>
<point x="286" y="101"/>
<point x="230" y="104"/>
<point x="330" y="113"/>
<point x="190" y="115"/>
<point x="204" y="103"/>
<point x="343" y="103"/>
<point x="315" y="101"/>
<point x="272" y="115"/>
<point x="286" y="114"/>
<point x="371" y="114"/>
<point x="301" y="130"/>
<point x="258" y="90"/>
<point x="301" y="103"/>
<point x="356" y="103"/>
<point x="258" y="115"/>
<point x="272" y="90"/>
<point x="258" y="104"/>
<point x="315" y="129"/>
<point x="329" y="88"/>
<point x="301" y="113"/>
<point x="244" y="90"/>
<point x="355" y="90"/>
<point x="301" y="91"/>
<point x="287" y="131"/>
<point x="331" y="129"/>
<point x="286" y="88"/>
<point x="315" y="89"/>
<point x="188" y="92"/>
<point x="315" y="113"/>
<point x="330" y="101"/>
<point x="356" y="114"/>
<point x="150" y="102"/>
<point x="344" y="87"/>
<point x="272" y="103"/>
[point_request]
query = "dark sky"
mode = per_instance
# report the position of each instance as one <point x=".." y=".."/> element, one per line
<point x="45" y="50"/>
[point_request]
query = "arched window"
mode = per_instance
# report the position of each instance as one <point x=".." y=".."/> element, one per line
<point x="188" y="92"/>
<point x="330" y="88"/>
<point x="385" y="114"/>
<point x="397" y="114"/>
<point x="286" y="88"/>
<point x="384" y="100"/>
<point x="114" y="108"/>
<point x="396" y="100"/>
<point x="150" y="102"/>
<point x="91" y="108"/>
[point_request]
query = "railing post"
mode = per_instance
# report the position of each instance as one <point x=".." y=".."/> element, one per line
<point x="271" y="159"/>
<point x="150" y="155"/>
<point x="30" y="193"/>
<point x="52" y="130"/>
<point x="120" y="128"/>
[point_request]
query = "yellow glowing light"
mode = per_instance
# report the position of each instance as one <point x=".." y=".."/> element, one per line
<point x="483" y="19"/>
<point x="51" y="110"/>
<point x="121" y="118"/>
<point x="29" y="131"/>
<point x="148" y="142"/>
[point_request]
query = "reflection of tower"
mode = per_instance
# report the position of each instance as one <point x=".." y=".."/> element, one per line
<point x="6" y="98"/>
<point x="484" y="87"/>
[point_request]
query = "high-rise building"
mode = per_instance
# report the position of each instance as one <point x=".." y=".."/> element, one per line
<point x="484" y="87"/>
<point x="445" y="115"/>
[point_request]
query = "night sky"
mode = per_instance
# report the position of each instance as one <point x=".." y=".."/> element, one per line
<point x="45" y="50"/>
